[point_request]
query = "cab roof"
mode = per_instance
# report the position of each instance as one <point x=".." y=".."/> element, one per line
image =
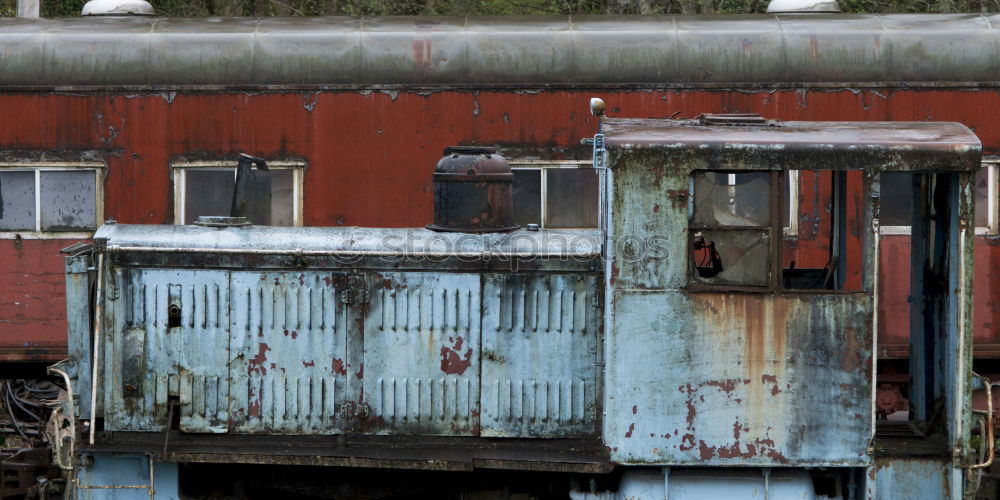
<point x="751" y="142"/>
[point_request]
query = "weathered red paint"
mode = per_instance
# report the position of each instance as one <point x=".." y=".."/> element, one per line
<point x="453" y="360"/>
<point x="894" y="289"/>
<point x="32" y="300"/>
<point x="371" y="156"/>
<point x="338" y="366"/>
<point x="256" y="364"/>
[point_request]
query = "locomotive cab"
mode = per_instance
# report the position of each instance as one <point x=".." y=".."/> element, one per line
<point x="735" y="341"/>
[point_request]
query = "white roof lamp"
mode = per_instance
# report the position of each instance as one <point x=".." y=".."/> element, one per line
<point x="118" y="8"/>
<point x="803" y="6"/>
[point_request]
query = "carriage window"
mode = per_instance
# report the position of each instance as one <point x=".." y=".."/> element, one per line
<point x="555" y="194"/>
<point x="896" y="195"/>
<point x="50" y="197"/>
<point x="897" y="191"/>
<point x="206" y="188"/>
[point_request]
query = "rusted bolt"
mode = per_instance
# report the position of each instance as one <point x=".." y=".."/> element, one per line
<point x="174" y="311"/>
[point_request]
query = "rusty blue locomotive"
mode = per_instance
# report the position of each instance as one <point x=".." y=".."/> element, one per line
<point x="672" y="352"/>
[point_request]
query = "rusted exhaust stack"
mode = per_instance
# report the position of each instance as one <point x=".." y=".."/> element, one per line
<point x="473" y="192"/>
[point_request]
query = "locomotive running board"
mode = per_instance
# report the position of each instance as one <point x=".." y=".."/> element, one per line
<point x="394" y="452"/>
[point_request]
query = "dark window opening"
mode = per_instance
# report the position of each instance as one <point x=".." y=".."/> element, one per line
<point x="209" y="191"/>
<point x="556" y="196"/>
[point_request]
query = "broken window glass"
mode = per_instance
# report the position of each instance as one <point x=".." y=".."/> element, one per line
<point x="68" y="200"/>
<point x="571" y="198"/>
<point x="17" y="200"/>
<point x="732" y="256"/>
<point x="209" y="191"/>
<point x="730" y="227"/>
<point x="732" y="199"/>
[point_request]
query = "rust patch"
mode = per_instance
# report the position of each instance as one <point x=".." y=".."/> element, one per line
<point x="361" y="372"/>
<point x="307" y="364"/>
<point x="850" y="359"/>
<point x="474" y="419"/>
<point x="631" y="428"/>
<point x="254" y="407"/>
<point x="705" y="451"/>
<point x="765" y="378"/>
<point x="453" y="361"/>
<point x="256" y="364"/>
<point x="725" y="385"/>
<point x="687" y="442"/>
<point x="678" y="197"/>
<point x="338" y="367"/>
<point x="635" y="409"/>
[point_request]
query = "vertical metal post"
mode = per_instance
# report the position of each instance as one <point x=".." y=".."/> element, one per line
<point x="29" y="8"/>
<point x="98" y="313"/>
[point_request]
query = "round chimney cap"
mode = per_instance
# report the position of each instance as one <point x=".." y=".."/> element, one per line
<point x="118" y="8"/>
<point x="805" y="6"/>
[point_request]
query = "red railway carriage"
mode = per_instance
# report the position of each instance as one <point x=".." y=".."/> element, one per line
<point x="138" y="119"/>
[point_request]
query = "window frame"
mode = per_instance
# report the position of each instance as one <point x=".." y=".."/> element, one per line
<point x="178" y="175"/>
<point x="992" y="227"/>
<point x="792" y="229"/>
<point x="992" y="164"/>
<point x="543" y="166"/>
<point x="99" y="169"/>
<point x="774" y="229"/>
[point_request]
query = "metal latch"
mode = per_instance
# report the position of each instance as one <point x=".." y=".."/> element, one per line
<point x="353" y="290"/>
<point x="599" y="150"/>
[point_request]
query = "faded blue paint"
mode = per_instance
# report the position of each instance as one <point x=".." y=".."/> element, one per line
<point x="79" y="333"/>
<point x="422" y="354"/>
<point x="152" y="358"/>
<point x="913" y="479"/>
<point x="737" y="378"/>
<point x="541" y="355"/>
<point x="702" y="484"/>
<point x="124" y="476"/>
<point x="289" y="363"/>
